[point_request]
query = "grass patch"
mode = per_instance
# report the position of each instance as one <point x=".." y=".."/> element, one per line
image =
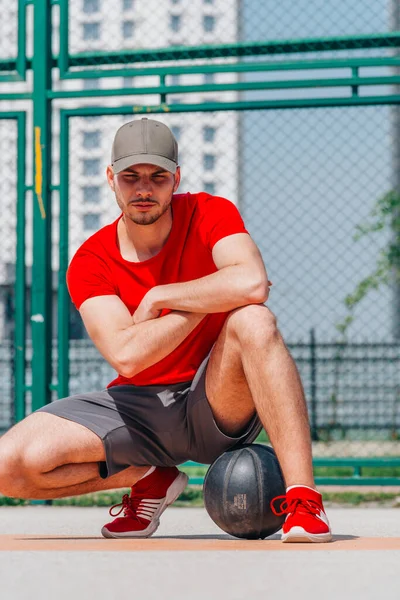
<point x="4" y="501"/>
<point x="192" y="496"/>
<point x="108" y="499"/>
<point x="333" y="471"/>
<point x="199" y="471"/>
<point x="365" y="471"/>
<point x="380" y="471"/>
<point x="359" y="498"/>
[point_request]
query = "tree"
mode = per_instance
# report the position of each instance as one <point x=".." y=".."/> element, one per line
<point x="385" y="215"/>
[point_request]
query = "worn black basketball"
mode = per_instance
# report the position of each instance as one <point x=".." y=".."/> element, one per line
<point x="238" y="489"/>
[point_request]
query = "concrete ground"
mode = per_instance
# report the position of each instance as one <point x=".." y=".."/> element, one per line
<point x="57" y="553"/>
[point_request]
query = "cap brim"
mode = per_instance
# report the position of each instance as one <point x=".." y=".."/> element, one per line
<point x="141" y="159"/>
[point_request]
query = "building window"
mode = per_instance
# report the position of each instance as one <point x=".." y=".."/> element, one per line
<point x="127" y="29"/>
<point x="209" y="77"/>
<point x="175" y="79"/>
<point x="127" y="82"/>
<point x="175" y="22"/>
<point x="91" y="6"/>
<point x="208" y="162"/>
<point x="91" y="194"/>
<point x="208" y="23"/>
<point x="91" y="139"/>
<point x="209" y="133"/>
<point x="176" y="132"/>
<point x="209" y="187"/>
<point x="208" y="1"/>
<point x="127" y="4"/>
<point x="91" y="222"/>
<point x="93" y="119"/>
<point x="91" y="84"/>
<point x="91" y="166"/>
<point x="91" y="31"/>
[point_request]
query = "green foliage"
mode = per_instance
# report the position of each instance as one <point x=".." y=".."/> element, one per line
<point x="108" y="498"/>
<point x="333" y="471"/>
<point x="262" y="438"/>
<point x="195" y="471"/>
<point x="357" y="498"/>
<point x="4" y="501"/>
<point x="191" y="496"/>
<point x="384" y="216"/>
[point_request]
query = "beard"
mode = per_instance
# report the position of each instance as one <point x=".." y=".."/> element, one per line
<point x="145" y="218"/>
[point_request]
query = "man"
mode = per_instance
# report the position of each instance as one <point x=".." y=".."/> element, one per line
<point x="172" y="294"/>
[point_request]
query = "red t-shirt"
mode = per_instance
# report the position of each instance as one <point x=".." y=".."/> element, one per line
<point x="98" y="269"/>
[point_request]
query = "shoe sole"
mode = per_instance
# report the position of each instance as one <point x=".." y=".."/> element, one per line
<point x="298" y="534"/>
<point x="175" y="489"/>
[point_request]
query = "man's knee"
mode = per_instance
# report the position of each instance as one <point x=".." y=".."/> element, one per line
<point x="13" y="480"/>
<point x="22" y="462"/>
<point x="253" y="325"/>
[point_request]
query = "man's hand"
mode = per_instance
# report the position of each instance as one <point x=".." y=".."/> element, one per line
<point x="130" y="349"/>
<point x="146" y="311"/>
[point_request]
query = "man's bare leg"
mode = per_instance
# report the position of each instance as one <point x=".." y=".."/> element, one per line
<point x="251" y="369"/>
<point x="46" y="457"/>
<point x="125" y="479"/>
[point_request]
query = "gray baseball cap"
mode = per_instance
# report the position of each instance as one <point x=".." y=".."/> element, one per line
<point x="144" y="141"/>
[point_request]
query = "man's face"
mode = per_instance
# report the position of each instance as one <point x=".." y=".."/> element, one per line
<point x="143" y="192"/>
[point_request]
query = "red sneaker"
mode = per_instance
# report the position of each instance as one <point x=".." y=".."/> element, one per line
<point x="149" y="498"/>
<point x="306" y="520"/>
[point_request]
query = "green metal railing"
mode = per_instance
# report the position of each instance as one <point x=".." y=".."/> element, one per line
<point x="357" y="464"/>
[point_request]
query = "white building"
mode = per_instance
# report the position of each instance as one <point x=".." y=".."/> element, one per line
<point x="208" y="142"/>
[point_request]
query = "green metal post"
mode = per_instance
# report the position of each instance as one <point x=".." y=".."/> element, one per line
<point x="63" y="57"/>
<point x="162" y="85"/>
<point x="63" y="297"/>
<point x="21" y="59"/>
<point x="354" y="88"/>
<point x="20" y="275"/>
<point x="41" y="268"/>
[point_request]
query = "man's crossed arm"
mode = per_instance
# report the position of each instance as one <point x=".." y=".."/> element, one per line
<point x="241" y="279"/>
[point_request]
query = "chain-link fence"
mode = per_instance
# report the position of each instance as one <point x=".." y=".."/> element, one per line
<point x="8" y="31"/>
<point x="8" y="201"/>
<point x="151" y="24"/>
<point x="304" y="179"/>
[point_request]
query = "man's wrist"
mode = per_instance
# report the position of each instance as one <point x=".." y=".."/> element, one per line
<point x="156" y="298"/>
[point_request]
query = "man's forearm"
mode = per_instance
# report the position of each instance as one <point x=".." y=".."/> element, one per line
<point x="144" y="344"/>
<point x="221" y="291"/>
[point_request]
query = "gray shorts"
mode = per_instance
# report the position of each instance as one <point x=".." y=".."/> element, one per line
<point x="152" y="425"/>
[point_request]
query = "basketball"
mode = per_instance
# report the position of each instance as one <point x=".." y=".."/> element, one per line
<point x="238" y="489"/>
